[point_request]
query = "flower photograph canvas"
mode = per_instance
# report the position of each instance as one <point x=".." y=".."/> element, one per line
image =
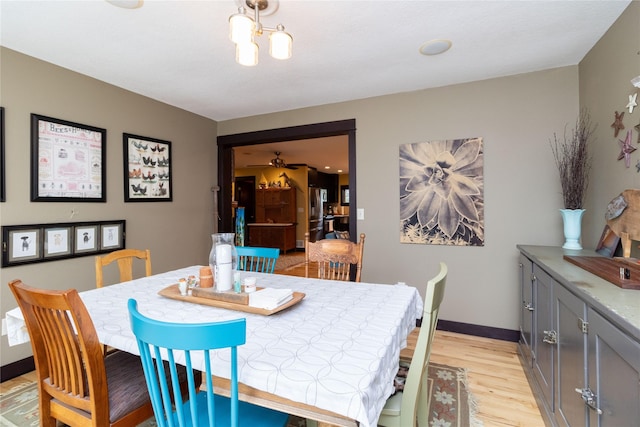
<point x="442" y="192"/>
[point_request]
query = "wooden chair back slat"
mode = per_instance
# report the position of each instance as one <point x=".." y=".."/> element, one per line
<point x="124" y="259"/>
<point x="335" y="258"/>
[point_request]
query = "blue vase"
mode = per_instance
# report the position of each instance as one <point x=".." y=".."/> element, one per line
<point x="572" y="219"/>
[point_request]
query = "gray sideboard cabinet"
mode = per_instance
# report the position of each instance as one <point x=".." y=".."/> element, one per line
<point x="579" y="343"/>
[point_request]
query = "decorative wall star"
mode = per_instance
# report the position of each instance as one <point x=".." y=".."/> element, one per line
<point x="626" y="149"/>
<point x="637" y="128"/>
<point x="632" y="102"/>
<point x="617" y="124"/>
<point x="638" y="166"/>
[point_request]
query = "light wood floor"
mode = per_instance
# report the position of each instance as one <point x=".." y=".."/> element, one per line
<point x="496" y="378"/>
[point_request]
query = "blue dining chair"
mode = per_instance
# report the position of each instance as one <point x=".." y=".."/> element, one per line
<point x="202" y="408"/>
<point x="262" y="260"/>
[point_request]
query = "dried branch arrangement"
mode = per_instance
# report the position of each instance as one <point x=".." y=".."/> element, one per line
<point x="574" y="161"/>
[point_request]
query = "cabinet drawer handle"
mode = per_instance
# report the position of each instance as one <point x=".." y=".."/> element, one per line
<point x="550" y="337"/>
<point x="589" y="399"/>
<point x="529" y="306"/>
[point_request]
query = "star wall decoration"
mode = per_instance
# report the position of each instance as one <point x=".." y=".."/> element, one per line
<point x="637" y="128"/>
<point x="632" y="102"/>
<point x="617" y="124"/>
<point x="638" y="166"/>
<point x="626" y="149"/>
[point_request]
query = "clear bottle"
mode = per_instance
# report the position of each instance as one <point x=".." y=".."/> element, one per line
<point x="223" y="260"/>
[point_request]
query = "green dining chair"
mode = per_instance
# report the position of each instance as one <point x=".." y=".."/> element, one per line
<point x="406" y="407"/>
<point x="262" y="260"/>
<point x="182" y="340"/>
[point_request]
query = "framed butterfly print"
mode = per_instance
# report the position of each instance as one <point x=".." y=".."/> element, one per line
<point x="147" y="169"/>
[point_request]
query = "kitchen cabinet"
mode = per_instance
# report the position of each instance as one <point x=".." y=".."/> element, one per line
<point x="330" y="181"/>
<point x="282" y="236"/>
<point x="276" y="205"/>
<point x="312" y="177"/>
<point x="527" y="308"/>
<point x="582" y="356"/>
<point x="275" y="225"/>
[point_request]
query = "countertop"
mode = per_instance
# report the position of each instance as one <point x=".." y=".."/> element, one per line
<point x="621" y="306"/>
<point x="271" y="224"/>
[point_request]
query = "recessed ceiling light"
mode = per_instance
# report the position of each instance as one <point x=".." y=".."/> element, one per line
<point x="126" y="4"/>
<point x="435" y="47"/>
<point x="339" y="170"/>
<point x="327" y="167"/>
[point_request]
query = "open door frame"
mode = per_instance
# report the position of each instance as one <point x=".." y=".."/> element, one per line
<point x="226" y="144"/>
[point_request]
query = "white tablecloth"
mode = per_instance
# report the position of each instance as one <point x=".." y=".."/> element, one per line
<point x="338" y="349"/>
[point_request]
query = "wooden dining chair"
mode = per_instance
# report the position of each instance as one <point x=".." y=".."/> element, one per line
<point x="124" y="258"/>
<point x="406" y="407"/>
<point x="251" y="258"/>
<point x="77" y="385"/>
<point x="184" y="340"/>
<point x="334" y="258"/>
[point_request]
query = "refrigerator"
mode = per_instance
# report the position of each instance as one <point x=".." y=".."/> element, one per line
<point x="315" y="210"/>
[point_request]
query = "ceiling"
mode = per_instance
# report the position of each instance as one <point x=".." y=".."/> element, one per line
<point x="329" y="155"/>
<point x="178" y="52"/>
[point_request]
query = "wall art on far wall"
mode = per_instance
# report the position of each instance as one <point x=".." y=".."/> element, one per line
<point x="442" y="192"/>
<point x="67" y="161"/>
<point x="32" y="243"/>
<point x="147" y="169"/>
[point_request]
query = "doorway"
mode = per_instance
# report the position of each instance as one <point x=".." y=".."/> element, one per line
<point x="226" y="143"/>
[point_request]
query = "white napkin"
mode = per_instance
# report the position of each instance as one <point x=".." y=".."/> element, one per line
<point x="270" y="298"/>
<point x="16" y="329"/>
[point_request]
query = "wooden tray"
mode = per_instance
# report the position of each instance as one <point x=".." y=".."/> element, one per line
<point x="174" y="293"/>
<point x="609" y="269"/>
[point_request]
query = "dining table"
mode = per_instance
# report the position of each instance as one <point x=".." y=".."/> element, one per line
<point x="330" y="357"/>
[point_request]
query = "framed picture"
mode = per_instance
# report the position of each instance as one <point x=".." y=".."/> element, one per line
<point x="86" y="238"/>
<point x="608" y="243"/>
<point x="147" y="169"/>
<point x="67" y="161"/>
<point x="21" y="244"/>
<point x="57" y="241"/>
<point x="3" y="183"/>
<point x="111" y="236"/>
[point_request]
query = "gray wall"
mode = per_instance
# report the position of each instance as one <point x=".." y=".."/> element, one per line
<point x="605" y="75"/>
<point x="178" y="233"/>
<point x="515" y="116"/>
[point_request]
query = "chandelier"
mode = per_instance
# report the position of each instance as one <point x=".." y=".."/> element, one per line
<point x="243" y="29"/>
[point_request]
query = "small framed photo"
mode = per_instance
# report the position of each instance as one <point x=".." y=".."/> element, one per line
<point x="21" y="244"/>
<point x="86" y="238"/>
<point x="57" y="241"/>
<point x="608" y="243"/>
<point x="147" y="169"/>
<point x="67" y="161"/>
<point x="111" y="236"/>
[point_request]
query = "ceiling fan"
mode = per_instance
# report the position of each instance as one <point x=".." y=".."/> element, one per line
<point x="277" y="162"/>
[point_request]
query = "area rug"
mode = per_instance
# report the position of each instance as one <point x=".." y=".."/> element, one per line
<point x="285" y="262"/>
<point x="451" y="403"/>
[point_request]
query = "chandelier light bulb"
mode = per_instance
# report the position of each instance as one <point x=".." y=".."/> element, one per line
<point x="247" y="54"/>
<point x="280" y="43"/>
<point x="241" y="27"/>
<point x="243" y="31"/>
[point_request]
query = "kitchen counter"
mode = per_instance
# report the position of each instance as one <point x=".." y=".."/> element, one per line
<point x="270" y="224"/>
